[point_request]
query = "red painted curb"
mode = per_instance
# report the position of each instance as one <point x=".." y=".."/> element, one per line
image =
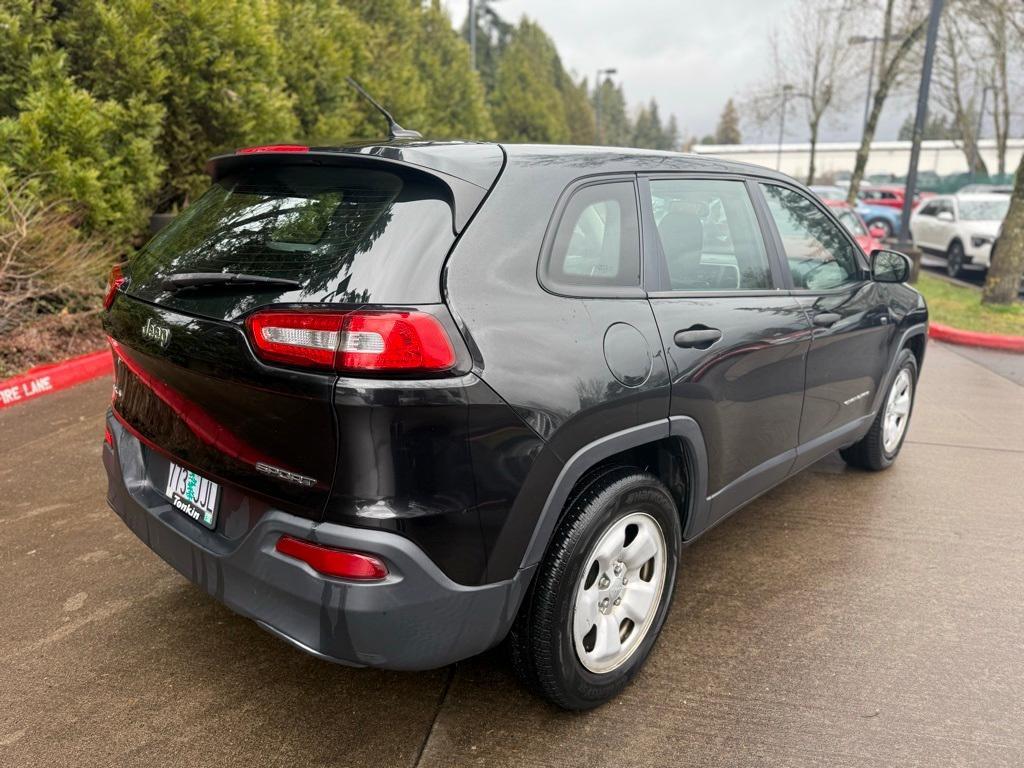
<point x="53" y="377"/>
<point x="941" y="332"/>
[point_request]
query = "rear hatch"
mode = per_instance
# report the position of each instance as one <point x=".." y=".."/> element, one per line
<point x="317" y="233"/>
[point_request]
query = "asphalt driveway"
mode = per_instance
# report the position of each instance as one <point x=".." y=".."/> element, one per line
<point x="844" y="619"/>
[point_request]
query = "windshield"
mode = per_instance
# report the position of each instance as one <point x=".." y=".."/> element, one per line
<point x="851" y="221"/>
<point x="344" y="235"/>
<point x="984" y="210"/>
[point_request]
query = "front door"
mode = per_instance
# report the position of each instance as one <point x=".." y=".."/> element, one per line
<point x="734" y="338"/>
<point x="852" y="330"/>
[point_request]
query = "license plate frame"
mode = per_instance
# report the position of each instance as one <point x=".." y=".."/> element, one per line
<point x="193" y="495"/>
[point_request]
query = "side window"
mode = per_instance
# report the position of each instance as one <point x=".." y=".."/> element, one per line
<point x="709" y="235"/>
<point x="929" y="210"/>
<point x="597" y="243"/>
<point x="820" y="256"/>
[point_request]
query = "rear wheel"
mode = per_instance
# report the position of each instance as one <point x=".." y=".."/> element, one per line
<point x="879" y="448"/>
<point x="601" y="593"/>
<point x="955" y="259"/>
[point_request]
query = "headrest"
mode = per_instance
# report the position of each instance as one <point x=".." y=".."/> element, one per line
<point x="681" y="232"/>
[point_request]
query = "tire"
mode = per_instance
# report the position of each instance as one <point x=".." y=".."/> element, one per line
<point x="955" y="259"/>
<point x="882" y="223"/>
<point x="879" y="448"/>
<point x="624" y="505"/>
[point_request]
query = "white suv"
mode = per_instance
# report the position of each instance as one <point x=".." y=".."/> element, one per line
<point x="960" y="227"/>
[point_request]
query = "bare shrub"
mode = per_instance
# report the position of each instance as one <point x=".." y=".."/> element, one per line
<point x="47" y="265"/>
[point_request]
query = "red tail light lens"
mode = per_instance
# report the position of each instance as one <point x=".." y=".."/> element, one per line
<point x="108" y="437"/>
<point x="114" y="283"/>
<point x="333" y="562"/>
<point x="272" y="148"/>
<point x="402" y="341"/>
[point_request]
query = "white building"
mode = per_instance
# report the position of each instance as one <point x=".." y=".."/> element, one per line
<point x="943" y="157"/>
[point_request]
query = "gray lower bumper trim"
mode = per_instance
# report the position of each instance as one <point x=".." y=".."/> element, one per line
<point x="417" y="618"/>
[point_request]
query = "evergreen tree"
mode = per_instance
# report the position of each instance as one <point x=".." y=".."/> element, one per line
<point x="227" y="91"/>
<point x="528" y="105"/>
<point x="24" y="35"/>
<point x="115" y="49"/>
<point x="610" y="103"/>
<point x="579" y="115"/>
<point x="493" y="33"/>
<point x="728" y="129"/>
<point x="98" y="154"/>
<point x="455" y="104"/>
<point x="322" y="43"/>
<point x="935" y="127"/>
<point x="672" y="140"/>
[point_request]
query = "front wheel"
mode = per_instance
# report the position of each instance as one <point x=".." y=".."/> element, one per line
<point x="955" y="259"/>
<point x="879" y="448"/>
<point x="601" y="593"/>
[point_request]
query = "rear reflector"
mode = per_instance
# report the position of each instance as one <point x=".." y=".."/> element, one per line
<point x="333" y="562"/>
<point x="378" y="341"/>
<point x="114" y="283"/>
<point x="108" y="437"/>
<point x="272" y="148"/>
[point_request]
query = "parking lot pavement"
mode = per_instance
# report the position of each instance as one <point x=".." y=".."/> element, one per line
<point x="844" y="619"/>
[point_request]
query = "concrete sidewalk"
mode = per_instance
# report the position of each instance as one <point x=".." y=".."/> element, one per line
<point x="844" y="619"/>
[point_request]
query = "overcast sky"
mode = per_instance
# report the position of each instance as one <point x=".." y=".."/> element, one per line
<point x="690" y="55"/>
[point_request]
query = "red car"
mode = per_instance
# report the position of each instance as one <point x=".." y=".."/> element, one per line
<point x="891" y="197"/>
<point x="868" y="240"/>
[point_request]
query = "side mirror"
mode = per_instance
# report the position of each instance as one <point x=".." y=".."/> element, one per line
<point x="890" y="267"/>
<point x="877" y="232"/>
<point x="945" y="216"/>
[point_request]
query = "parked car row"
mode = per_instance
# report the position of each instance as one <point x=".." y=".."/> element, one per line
<point x="962" y="228"/>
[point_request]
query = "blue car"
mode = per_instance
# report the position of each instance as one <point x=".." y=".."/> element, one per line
<point x="879" y="216"/>
<point x="875" y="216"/>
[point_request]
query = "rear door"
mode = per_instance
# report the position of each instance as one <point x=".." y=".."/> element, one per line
<point x="735" y="339"/>
<point x="849" y="314"/>
<point x="188" y="383"/>
<point x="922" y="225"/>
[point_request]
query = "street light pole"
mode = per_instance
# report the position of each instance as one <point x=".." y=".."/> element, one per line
<point x="472" y="34"/>
<point x="597" y="100"/>
<point x="920" y="118"/>
<point x="782" y="125"/>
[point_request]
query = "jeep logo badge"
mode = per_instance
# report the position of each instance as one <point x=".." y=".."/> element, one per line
<point x="161" y="334"/>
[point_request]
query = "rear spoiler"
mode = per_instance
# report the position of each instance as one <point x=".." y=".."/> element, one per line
<point x="467" y="182"/>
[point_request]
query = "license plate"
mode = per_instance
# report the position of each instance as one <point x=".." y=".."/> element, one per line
<point x="193" y="494"/>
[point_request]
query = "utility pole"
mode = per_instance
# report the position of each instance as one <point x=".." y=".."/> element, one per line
<point x="786" y="89"/>
<point x="597" y="100"/>
<point x="919" y="120"/>
<point x="472" y="34"/>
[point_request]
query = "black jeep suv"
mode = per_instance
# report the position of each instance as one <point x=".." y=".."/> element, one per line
<point x="398" y="402"/>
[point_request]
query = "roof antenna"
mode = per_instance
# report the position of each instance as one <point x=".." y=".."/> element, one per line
<point x="395" y="131"/>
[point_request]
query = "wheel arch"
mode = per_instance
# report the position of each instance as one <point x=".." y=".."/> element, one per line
<point x="672" y="449"/>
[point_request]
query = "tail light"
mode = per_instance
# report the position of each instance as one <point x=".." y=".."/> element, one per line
<point x="403" y="341"/>
<point x="333" y="562"/>
<point x="108" y="436"/>
<point x="114" y="283"/>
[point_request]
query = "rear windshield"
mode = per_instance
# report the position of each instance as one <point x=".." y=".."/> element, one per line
<point x="345" y="235"/>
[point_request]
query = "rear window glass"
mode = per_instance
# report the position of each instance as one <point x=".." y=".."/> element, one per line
<point x="345" y="235"/>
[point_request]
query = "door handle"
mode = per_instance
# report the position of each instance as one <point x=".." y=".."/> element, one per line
<point x="825" y="319"/>
<point x="697" y="337"/>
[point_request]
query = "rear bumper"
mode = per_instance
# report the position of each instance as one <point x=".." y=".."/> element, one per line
<point x="417" y="618"/>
